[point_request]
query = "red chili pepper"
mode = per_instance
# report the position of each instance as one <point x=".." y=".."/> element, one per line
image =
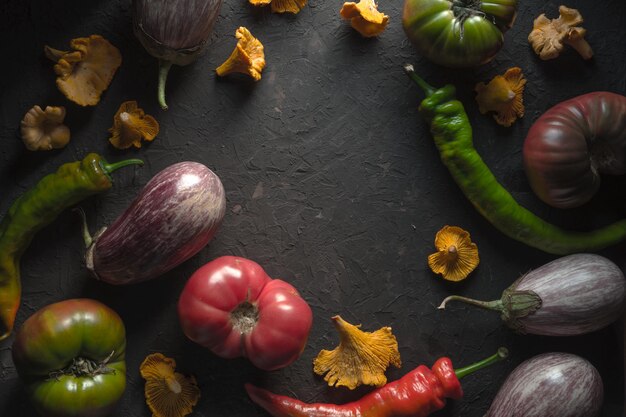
<point x="417" y="394"/>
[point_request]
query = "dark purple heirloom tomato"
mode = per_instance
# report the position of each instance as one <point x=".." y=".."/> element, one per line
<point x="572" y="144"/>
<point x="550" y="385"/>
<point x="174" y="216"/>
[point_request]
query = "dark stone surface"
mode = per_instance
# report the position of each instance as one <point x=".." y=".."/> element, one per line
<point x="333" y="183"/>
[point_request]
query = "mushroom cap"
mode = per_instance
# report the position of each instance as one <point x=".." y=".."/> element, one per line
<point x="87" y="70"/>
<point x="168" y="393"/>
<point x="131" y="125"/>
<point x="361" y="357"/>
<point x="548" y="37"/>
<point x="43" y="130"/>
<point x="504" y="94"/>
<point x="248" y="57"/>
<point x="456" y="254"/>
<point x="364" y="17"/>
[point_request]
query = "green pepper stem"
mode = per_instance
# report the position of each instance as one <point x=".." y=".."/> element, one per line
<point x="164" y="69"/>
<point x="495" y="305"/>
<point x="410" y="71"/>
<point x="502" y="353"/>
<point x="108" y="168"/>
<point x="85" y="229"/>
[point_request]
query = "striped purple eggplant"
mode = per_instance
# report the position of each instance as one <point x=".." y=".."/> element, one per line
<point x="174" y="216"/>
<point x="174" y="31"/>
<point x="572" y="295"/>
<point x="550" y="385"/>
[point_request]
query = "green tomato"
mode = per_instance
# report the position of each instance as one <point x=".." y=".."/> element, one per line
<point x="458" y="33"/>
<point x="70" y="356"/>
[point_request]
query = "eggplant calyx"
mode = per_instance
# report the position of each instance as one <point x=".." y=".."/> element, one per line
<point x="164" y="69"/>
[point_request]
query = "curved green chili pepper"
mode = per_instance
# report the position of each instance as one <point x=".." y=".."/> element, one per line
<point x="37" y="208"/>
<point x="452" y="132"/>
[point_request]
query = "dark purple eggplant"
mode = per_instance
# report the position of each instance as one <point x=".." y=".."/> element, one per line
<point x="174" y="216"/>
<point x="174" y="31"/>
<point x="572" y="295"/>
<point x="550" y="385"/>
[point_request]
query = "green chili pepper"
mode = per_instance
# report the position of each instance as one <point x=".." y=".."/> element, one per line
<point x="452" y="132"/>
<point x="37" y="208"/>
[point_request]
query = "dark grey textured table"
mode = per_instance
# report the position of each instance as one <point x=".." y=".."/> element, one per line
<point x="333" y="183"/>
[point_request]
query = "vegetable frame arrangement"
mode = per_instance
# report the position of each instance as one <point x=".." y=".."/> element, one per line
<point x="452" y="133"/>
<point x="35" y="209"/>
<point x="417" y="394"/>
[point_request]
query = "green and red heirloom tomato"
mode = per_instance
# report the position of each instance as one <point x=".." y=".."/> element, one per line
<point x="70" y="356"/>
<point x="231" y="306"/>
<point x="458" y="33"/>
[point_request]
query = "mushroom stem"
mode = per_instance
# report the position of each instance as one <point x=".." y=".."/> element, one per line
<point x="164" y="69"/>
<point x="53" y="54"/>
<point x="580" y="45"/>
<point x="173" y="385"/>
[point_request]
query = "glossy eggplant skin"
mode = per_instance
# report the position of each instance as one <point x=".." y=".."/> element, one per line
<point x="175" y="30"/>
<point x="550" y="385"/>
<point x="572" y="144"/>
<point x="579" y="294"/>
<point x="174" y="216"/>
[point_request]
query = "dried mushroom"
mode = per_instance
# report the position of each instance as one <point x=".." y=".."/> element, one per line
<point x="456" y="254"/>
<point x="87" y="70"/>
<point x="43" y="130"/>
<point x="503" y="95"/>
<point x="168" y="393"/>
<point x="549" y="37"/>
<point x="247" y="58"/>
<point x="131" y="125"/>
<point x="281" y="6"/>
<point x="361" y="357"/>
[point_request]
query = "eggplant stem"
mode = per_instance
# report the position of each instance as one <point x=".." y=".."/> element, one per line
<point x="429" y="90"/>
<point x="495" y="305"/>
<point x="85" y="229"/>
<point x="502" y="353"/>
<point x="108" y="168"/>
<point x="164" y="69"/>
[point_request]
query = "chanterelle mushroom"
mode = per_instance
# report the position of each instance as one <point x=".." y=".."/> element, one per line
<point x="503" y="95"/>
<point x="130" y="125"/>
<point x="168" y="393"/>
<point x="361" y="357"/>
<point x="456" y="254"/>
<point x="365" y="17"/>
<point x="282" y="6"/>
<point x="87" y="70"/>
<point x="43" y="130"/>
<point x="548" y="37"/>
<point x="247" y="58"/>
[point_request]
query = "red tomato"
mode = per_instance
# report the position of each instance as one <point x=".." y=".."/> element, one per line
<point x="231" y="306"/>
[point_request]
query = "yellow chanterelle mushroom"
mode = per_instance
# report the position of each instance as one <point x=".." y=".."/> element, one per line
<point x="503" y="95"/>
<point x="365" y="17"/>
<point x="130" y="125"/>
<point x="456" y="254"/>
<point x="247" y="58"/>
<point x="43" y="130"/>
<point x="168" y="393"/>
<point x="549" y="37"/>
<point x="361" y="357"/>
<point x="281" y="6"/>
<point x="87" y="70"/>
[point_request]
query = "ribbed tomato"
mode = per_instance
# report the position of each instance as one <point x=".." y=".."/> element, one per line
<point x="458" y="33"/>
<point x="231" y="306"/>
